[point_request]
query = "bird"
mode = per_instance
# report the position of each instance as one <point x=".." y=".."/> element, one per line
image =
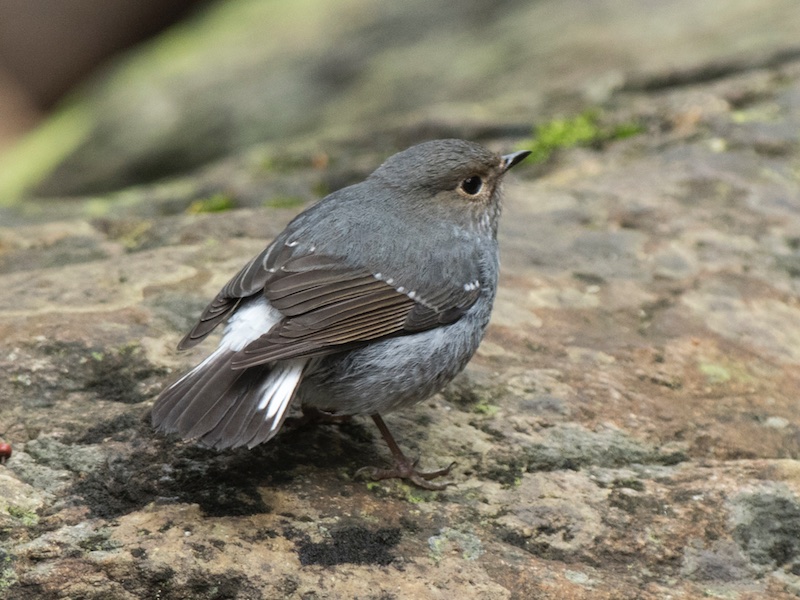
<point x="371" y="300"/>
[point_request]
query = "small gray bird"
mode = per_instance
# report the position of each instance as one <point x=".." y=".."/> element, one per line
<point x="371" y="300"/>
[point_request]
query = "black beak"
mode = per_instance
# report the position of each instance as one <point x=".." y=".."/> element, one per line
<point x="509" y="160"/>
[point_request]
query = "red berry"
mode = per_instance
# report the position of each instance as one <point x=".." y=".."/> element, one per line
<point x="5" y="452"/>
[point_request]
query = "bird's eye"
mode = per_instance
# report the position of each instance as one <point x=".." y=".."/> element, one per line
<point x="472" y="185"/>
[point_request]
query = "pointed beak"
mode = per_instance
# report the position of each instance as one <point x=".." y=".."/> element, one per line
<point x="509" y="160"/>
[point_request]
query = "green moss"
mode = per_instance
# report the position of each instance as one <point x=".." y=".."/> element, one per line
<point x="284" y="202"/>
<point x="27" y="517"/>
<point x="724" y="371"/>
<point x="484" y="408"/>
<point x="283" y="163"/>
<point x="213" y="204"/>
<point x="135" y="234"/>
<point x="714" y="373"/>
<point x="402" y="490"/>
<point x="563" y="133"/>
<point x="584" y="129"/>
<point x="414" y="495"/>
<point x="7" y="575"/>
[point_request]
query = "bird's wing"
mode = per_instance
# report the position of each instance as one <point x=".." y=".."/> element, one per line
<point x="247" y="282"/>
<point x="329" y="304"/>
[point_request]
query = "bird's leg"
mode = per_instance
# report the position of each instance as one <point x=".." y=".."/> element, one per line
<point x="403" y="467"/>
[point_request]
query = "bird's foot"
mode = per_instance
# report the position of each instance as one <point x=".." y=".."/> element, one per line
<point x="403" y="469"/>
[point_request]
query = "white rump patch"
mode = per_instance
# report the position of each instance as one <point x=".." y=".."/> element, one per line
<point x="249" y="322"/>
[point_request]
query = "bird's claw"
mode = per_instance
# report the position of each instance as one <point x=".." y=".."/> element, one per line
<point x="409" y="472"/>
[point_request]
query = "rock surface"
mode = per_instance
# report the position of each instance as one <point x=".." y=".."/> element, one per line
<point x="628" y="429"/>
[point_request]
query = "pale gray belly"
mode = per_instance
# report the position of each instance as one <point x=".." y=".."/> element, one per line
<point x="395" y="372"/>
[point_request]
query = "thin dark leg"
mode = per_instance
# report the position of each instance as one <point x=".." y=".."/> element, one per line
<point x="403" y="467"/>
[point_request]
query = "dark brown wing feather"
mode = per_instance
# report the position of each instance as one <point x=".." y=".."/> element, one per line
<point x="332" y="309"/>
<point x="426" y="316"/>
<point x="250" y="280"/>
<point x="328" y="305"/>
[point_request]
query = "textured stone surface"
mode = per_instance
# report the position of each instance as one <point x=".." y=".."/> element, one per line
<point x="628" y="429"/>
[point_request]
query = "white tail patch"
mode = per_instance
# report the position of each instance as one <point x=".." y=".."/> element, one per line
<point x="224" y="407"/>
<point x="278" y="389"/>
<point x="247" y="324"/>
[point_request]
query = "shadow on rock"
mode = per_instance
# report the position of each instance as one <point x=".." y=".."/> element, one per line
<point x="156" y="469"/>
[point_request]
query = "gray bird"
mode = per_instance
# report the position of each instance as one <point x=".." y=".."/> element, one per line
<point x="371" y="300"/>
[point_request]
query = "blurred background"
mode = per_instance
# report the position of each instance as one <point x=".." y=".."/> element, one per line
<point x="47" y="48"/>
<point x="124" y="92"/>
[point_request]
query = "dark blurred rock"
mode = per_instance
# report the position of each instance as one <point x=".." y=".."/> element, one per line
<point x="246" y="72"/>
<point x="49" y="49"/>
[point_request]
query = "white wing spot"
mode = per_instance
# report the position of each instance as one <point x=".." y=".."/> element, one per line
<point x="292" y="244"/>
<point x="378" y="276"/>
<point x="401" y="289"/>
<point x="472" y="286"/>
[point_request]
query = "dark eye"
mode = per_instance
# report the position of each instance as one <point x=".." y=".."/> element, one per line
<point x="472" y="185"/>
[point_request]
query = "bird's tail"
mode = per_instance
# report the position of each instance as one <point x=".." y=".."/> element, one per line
<point x="222" y="407"/>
